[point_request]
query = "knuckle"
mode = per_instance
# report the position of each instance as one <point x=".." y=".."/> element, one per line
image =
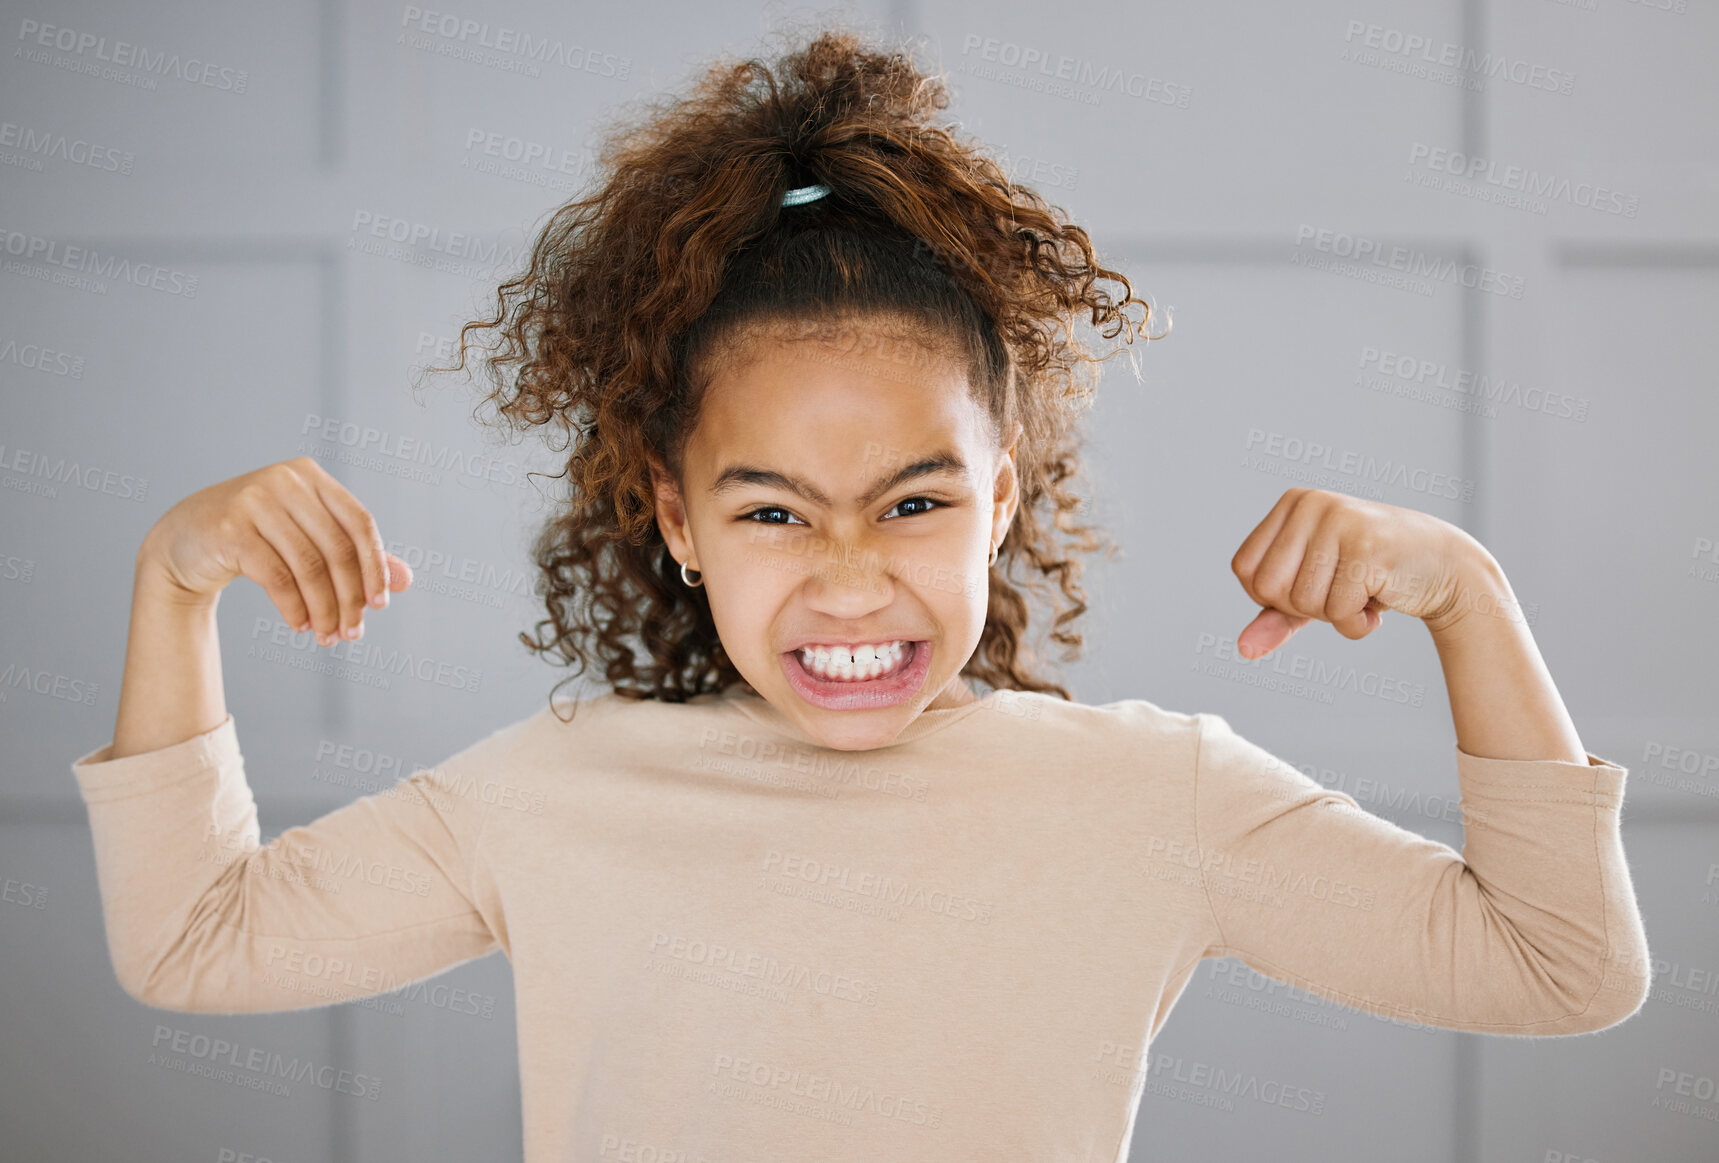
<point x="309" y="564"/>
<point x="1280" y="590"/>
<point x="345" y="553"/>
<point x="297" y="481"/>
<point x="251" y="496"/>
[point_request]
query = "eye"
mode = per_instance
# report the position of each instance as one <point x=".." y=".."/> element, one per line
<point x="777" y="509"/>
<point x="918" y="501"/>
<point x="767" y="509"/>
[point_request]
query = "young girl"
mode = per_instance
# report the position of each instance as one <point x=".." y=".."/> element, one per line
<point x="791" y="888"/>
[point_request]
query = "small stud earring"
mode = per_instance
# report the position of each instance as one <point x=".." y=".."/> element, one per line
<point x="993" y="559"/>
<point x="688" y="580"/>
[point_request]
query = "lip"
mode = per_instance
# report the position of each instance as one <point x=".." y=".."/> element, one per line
<point x="801" y="643"/>
<point x="859" y="696"/>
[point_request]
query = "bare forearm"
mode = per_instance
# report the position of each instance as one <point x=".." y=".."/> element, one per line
<point x="1503" y="701"/>
<point x="171" y="688"/>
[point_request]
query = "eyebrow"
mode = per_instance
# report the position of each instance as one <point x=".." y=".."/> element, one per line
<point x="740" y="475"/>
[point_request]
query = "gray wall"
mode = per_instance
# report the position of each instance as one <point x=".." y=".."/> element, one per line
<point x="1252" y="128"/>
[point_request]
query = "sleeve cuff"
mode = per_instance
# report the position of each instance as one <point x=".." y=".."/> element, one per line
<point x="100" y="778"/>
<point x="1597" y="781"/>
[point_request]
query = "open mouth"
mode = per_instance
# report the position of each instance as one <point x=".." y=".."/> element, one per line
<point x="845" y="677"/>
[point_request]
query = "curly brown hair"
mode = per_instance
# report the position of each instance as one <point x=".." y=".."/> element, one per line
<point x="636" y="293"/>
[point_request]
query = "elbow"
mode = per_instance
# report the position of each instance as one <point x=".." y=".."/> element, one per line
<point x="138" y="985"/>
<point x="143" y="997"/>
<point x="1619" y="997"/>
<point x="1623" y="977"/>
<point x="144" y="985"/>
<point x="1612" y="997"/>
<point x="1600" y="974"/>
<point x="1599" y="1017"/>
<point x="153" y="996"/>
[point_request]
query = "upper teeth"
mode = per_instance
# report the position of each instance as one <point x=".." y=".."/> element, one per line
<point x="879" y="656"/>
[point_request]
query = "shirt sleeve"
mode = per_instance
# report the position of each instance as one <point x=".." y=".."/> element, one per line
<point x="1532" y="930"/>
<point x="201" y="918"/>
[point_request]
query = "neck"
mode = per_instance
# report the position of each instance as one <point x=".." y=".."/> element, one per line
<point x="956" y="694"/>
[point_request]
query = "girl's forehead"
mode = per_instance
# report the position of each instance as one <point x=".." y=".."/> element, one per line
<point x="832" y="418"/>
<point x="805" y="385"/>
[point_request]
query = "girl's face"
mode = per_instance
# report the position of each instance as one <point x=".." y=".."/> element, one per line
<point x="843" y="492"/>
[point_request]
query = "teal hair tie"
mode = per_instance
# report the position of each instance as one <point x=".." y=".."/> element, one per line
<point x="804" y="194"/>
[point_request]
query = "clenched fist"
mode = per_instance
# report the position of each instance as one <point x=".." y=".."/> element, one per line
<point x="291" y="528"/>
<point x="1329" y="557"/>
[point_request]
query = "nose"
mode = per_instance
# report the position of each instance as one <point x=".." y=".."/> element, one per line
<point x="848" y="582"/>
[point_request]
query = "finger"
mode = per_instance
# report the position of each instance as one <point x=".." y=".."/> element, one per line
<point x="399" y="574"/>
<point x="306" y="506"/>
<point x="339" y="554"/>
<point x="309" y="570"/>
<point x="1310" y="592"/>
<point x="1351" y="597"/>
<point x="361" y="527"/>
<point x="1269" y="630"/>
<point x="1354" y="626"/>
<point x="1281" y="567"/>
<point x="259" y="561"/>
<point x="1362" y="623"/>
<point x="1246" y="560"/>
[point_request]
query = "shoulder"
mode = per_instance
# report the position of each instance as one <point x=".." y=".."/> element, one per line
<point x="1129" y="712"/>
<point x="608" y="720"/>
<point x="1128" y="722"/>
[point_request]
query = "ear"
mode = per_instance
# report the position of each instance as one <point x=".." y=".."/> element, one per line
<point x="1006" y="495"/>
<point x="670" y="511"/>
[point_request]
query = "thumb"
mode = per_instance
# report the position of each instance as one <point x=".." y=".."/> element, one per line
<point x="1270" y="629"/>
<point x="399" y="574"/>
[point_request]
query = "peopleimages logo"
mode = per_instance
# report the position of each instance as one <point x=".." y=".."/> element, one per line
<point x="253" y="1066"/>
<point x="397" y="453"/>
<point x="456" y="244"/>
<point x="1482" y="173"/>
<point x="1430" y="373"/>
<point x="1414" y="263"/>
<point x="123" y="55"/>
<point x="39" y="472"/>
<point x="1359" y="465"/>
<point x="38" y="357"/>
<point x="38" y="256"/>
<point x="1055" y="73"/>
<point x="1419" y="52"/>
<point x="461" y="36"/>
<point x="33" y="144"/>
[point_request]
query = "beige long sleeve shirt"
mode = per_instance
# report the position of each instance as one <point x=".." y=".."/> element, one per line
<point x="730" y="943"/>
